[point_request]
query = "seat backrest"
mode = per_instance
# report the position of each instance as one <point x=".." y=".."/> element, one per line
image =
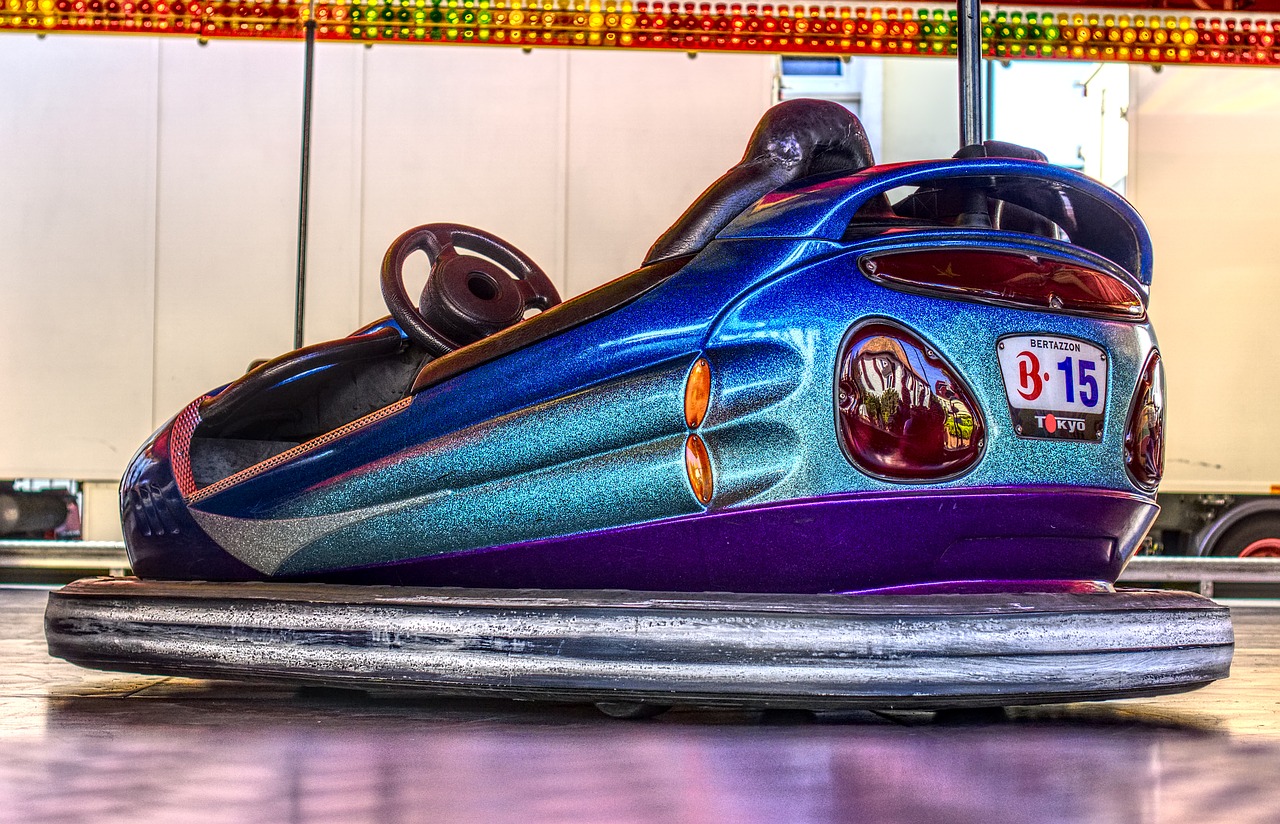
<point x="793" y="140"/>
<point x="999" y="148"/>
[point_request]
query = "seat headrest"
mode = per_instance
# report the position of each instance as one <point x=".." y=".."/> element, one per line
<point x="794" y="140"/>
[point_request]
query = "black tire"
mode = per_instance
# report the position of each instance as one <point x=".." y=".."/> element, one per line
<point x="1241" y="535"/>
<point x="631" y="710"/>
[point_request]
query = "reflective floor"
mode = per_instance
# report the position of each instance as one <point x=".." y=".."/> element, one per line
<point x="83" y="746"/>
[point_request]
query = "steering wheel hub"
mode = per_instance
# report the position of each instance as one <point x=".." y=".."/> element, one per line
<point x="468" y="298"/>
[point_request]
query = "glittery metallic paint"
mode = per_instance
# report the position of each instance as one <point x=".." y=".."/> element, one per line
<point x="562" y="464"/>
<point x="840" y="543"/>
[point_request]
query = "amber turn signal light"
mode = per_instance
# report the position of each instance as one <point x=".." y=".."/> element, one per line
<point x="698" y="464"/>
<point x="697" y="393"/>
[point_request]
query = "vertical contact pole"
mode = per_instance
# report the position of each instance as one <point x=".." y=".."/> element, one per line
<point x="305" y="174"/>
<point x="970" y="48"/>
<point x="989" y="102"/>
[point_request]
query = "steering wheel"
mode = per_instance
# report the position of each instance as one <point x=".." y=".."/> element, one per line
<point x="466" y="297"/>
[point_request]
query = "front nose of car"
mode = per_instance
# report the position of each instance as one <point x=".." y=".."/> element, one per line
<point x="162" y="538"/>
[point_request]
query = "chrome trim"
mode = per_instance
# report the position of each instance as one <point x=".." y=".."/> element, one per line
<point x="805" y="651"/>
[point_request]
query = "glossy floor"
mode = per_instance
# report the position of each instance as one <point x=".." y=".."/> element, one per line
<point x="83" y="746"/>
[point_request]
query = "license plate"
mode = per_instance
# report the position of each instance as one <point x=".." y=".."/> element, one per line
<point x="1056" y="386"/>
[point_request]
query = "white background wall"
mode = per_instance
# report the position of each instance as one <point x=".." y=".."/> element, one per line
<point x="149" y="201"/>
<point x="921" y="109"/>
<point x="1203" y="172"/>
<point x="77" y="250"/>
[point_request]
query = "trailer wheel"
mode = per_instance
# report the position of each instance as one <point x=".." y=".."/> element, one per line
<point x="1257" y="536"/>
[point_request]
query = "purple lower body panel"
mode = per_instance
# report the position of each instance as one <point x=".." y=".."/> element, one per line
<point x="1029" y="538"/>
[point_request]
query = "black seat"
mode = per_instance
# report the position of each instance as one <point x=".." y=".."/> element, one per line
<point x="999" y="148"/>
<point x="794" y="140"/>
<point x="963" y="202"/>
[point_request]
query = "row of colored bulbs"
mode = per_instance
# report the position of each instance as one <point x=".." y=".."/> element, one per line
<point x="296" y="9"/>
<point x="677" y="26"/>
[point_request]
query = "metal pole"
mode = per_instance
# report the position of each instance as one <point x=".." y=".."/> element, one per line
<point x="305" y="174"/>
<point x="969" y="34"/>
<point x="989" y="99"/>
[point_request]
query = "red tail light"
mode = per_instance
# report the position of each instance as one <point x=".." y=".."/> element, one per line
<point x="1144" y="432"/>
<point x="903" y="413"/>
<point x="1001" y="277"/>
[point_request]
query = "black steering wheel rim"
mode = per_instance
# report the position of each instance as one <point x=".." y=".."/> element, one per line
<point x="440" y="242"/>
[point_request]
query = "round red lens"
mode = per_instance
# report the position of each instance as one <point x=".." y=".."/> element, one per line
<point x="1144" y="432"/>
<point x="903" y="414"/>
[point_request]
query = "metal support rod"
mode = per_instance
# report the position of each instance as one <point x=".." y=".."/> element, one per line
<point x="305" y="176"/>
<point x="969" y="34"/>
<point x="989" y="101"/>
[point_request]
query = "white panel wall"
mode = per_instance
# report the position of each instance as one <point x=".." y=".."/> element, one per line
<point x="225" y="213"/>
<point x="473" y="136"/>
<point x="921" y="109"/>
<point x="1203" y="173"/>
<point x="640" y="152"/>
<point x="337" y="190"/>
<point x="77" y="252"/>
<point x="227" y="208"/>
<point x="147" y="233"/>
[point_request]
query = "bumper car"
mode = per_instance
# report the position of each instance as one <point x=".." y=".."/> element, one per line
<point x="851" y="436"/>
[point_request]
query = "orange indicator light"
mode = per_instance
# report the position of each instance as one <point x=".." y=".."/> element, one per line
<point x="697" y="393"/>
<point x="698" y="465"/>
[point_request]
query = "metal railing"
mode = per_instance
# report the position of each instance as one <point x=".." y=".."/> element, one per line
<point x="1204" y="572"/>
<point x="108" y="556"/>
